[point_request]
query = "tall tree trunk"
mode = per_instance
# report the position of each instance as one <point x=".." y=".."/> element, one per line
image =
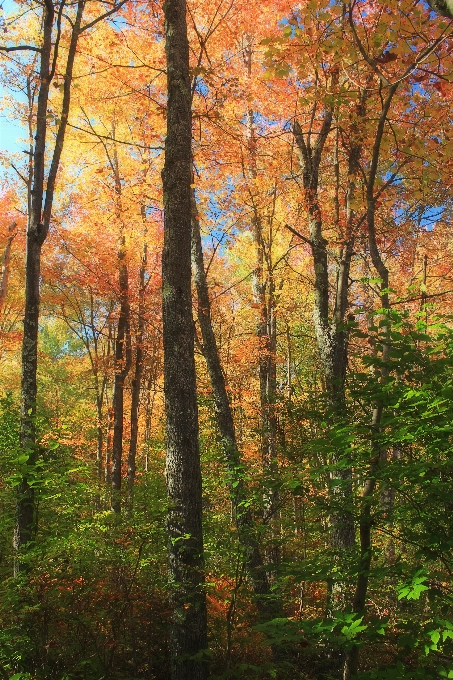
<point x="110" y="418"/>
<point x="108" y="453"/>
<point x="365" y="519"/>
<point x="123" y="361"/>
<point x="331" y="336"/>
<point x="266" y="330"/>
<point x="38" y="226"/>
<point x="152" y="364"/>
<point x="136" y="382"/>
<point x="123" y="351"/>
<point x="242" y="515"/>
<point x="184" y="520"/>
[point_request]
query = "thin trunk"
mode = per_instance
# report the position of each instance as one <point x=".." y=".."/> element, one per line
<point x="99" y="386"/>
<point x="184" y="520"/>
<point x="108" y="453"/>
<point x="263" y="289"/>
<point x="38" y="226"/>
<point x="99" y="435"/>
<point x="289" y="361"/>
<point x="366" y="520"/>
<point x="6" y="263"/>
<point x="100" y="390"/>
<point x="122" y="365"/>
<point x="330" y="334"/>
<point x="123" y="351"/>
<point x="242" y="515"/>
<point x="424" y="291"/>
<point x="110" y="415"/>
<point x="150" y="394"/>
<point x="136" y="382"/>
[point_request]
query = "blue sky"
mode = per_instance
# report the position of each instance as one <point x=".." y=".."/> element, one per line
<point x="9" y="132"/>
<point x="9" y="129"/>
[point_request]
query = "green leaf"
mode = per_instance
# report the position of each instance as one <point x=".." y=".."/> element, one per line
<point x="435" y="636"/>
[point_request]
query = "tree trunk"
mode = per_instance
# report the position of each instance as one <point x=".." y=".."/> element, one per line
<point x="108" y="453"/>
<point x="184" y="520"/>
<point x="365" y="519"/>
<point x="253" y="559"/>
<point x="6" y="264"/>
<point x="136" y="383"/>
<point x="122" y="365"/>
<point x="152" y="364"/>
<point x="38" y="226"/>
<point x="331" y="336"/>
<point x="263" y="296"/>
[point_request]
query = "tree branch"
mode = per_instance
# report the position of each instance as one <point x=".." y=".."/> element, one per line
<point x="114" y="9"/>
<point x="118" y="141"/>
<point x="20" y="47"/>
<point x="296" y="233"/>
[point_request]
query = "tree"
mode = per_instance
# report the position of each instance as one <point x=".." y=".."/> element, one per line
<point x="184" y="523"/>
<point x="322" y="176"/>
<point x="247" y="531"/>
<point x="38" y="226"/>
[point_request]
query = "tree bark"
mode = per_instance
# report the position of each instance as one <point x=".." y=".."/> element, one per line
<point x="184" y="519"/>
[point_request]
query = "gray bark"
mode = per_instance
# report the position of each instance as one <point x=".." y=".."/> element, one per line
<point x="184" y="519"/>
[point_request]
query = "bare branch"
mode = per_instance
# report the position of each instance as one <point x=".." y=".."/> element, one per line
<point x="363" y="51"/>
<point x="18" y="48"/>
<point x="57" y="41"/>
<point x="114" y="9"/>
<point x="19" y="173"/>
<point x="296" y="233"/>
<point x="118" y="141"/>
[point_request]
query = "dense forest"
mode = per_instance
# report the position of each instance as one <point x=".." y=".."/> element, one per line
<point x="226" y="340"/>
